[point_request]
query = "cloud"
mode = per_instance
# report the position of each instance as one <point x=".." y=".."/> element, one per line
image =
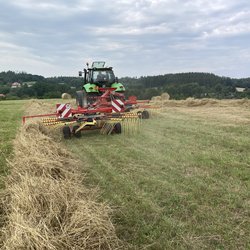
<point x="142" y="37"/>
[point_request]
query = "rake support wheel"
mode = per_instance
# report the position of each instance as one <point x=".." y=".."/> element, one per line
<point x="145" y="114"/>
<point x="78" y="133"/>
<point x="66" y="132"/>
<point x="117" y="128"/>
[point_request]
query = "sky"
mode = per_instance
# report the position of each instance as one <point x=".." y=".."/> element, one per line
<point x="138" y="38"/>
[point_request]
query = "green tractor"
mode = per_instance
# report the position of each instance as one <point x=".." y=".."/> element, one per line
<point x="97" y="78"/>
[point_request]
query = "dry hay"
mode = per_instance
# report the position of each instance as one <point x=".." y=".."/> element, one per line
<point x="66" y="96"/>
<point x="199" y="102"/>
<point x="38" y="107"/>
<point x="46" y="205"/>
<point x="165" y="96"/>
<point x="160" y="99"/>
<point x="228" y="112"/>
<point x="192" y="102"/>
<point x="237" y="102"/>
<point x="156" y="99"/>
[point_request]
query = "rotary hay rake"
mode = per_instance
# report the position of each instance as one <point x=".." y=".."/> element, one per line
<point x="109" y="115"/>
<point x="127" y="123"/>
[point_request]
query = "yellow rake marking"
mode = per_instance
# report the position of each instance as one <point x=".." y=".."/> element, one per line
<point x="86" y="124"/>
<point x="54" y="123"/>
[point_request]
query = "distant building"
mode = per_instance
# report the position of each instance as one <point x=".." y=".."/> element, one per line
<point x="29" y="84"/>
<point x="16" y="85"/>
<point x="239" y="89"/>
<point x="2" y="96"/>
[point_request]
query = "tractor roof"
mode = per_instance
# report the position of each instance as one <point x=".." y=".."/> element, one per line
<point x="100" y="69"/>
<point x="98" y="65"/>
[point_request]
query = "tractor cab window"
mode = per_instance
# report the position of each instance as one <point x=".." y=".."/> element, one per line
<point x="103" y="76"/>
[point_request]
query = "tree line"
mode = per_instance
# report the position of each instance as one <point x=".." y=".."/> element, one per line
<point x="35" y="86"/>
<point x="179" y="86"/>
<point x="184" y="85"/>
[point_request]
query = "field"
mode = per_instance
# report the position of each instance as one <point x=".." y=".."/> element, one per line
<point x="181" y="183"/>
<point x="10" y="111"/>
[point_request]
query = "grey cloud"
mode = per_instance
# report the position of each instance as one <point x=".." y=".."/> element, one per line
<point x="140" y="37"/>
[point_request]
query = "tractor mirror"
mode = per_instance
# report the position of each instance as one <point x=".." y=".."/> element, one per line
<point x="80" y="73"/>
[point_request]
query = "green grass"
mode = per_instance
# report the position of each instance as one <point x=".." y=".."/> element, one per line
<point x="182" y="183"/>
<point x="11" y="118"/>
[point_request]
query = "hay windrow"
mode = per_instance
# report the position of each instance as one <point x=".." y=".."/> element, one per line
<point x="192" y="102"/>
<point x="45" y="204"/>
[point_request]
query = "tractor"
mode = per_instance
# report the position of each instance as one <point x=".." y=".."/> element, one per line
<point x="98" y="78"/>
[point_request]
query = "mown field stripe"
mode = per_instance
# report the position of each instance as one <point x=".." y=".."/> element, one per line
<point x="11" y="118"/>
<point x="182" y="182"/>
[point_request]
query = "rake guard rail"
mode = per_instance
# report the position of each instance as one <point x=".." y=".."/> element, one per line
<point x="34" y="116"/>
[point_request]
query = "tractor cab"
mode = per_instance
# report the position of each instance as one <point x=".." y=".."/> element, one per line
<point x="99" y="76"/>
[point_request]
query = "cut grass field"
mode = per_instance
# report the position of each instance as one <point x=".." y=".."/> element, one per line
<point x="11" y="113"/>
<point x="182" y="183"/>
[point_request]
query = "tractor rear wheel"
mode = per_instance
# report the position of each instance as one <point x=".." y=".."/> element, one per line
<point x="81" y="98"/>
<point x="66" y="132"/>
<point x="78" y="133"/>
<point x="117" y="128"/>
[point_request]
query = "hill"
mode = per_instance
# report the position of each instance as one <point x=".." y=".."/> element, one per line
<point x="179" y="85"/>
<point x="192" y="84"/>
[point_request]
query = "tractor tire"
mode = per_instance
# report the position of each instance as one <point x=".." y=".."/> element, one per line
<point x="66" y="132"/>
<point x="145" y="114"/>
<point x="77" y="134"/>
<point x="81" y="98"/>
<point x="117" y="128"/>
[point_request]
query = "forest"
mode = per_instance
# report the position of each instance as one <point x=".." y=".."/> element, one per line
<point x="179" y="86"/>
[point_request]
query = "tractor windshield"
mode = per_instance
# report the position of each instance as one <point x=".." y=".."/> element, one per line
<point x="103" y="76"/>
